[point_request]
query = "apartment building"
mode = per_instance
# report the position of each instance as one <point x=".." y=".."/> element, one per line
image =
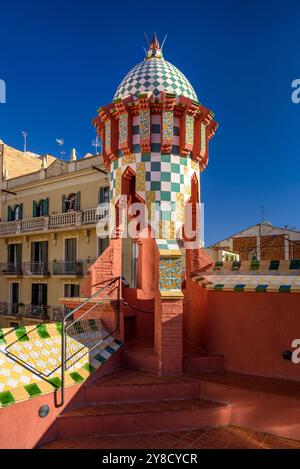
<point x="47" y="231"/>
<point x="263" y="242"/>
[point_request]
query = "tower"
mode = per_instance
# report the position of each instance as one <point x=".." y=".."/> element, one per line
<point x="155" y="136"/>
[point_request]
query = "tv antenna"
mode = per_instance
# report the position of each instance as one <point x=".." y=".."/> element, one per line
<point x="163" y="43"/>
<point x="24" y="135"/>
<point x="96" y="144"/>
<point x="148" y="42"/>
<point x="60" y="142"/>
<point x="262" y="214"/>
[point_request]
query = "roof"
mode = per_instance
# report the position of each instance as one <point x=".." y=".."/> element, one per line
<point x="257" y="225"/>
<point x="18" y="163"/>
<point x="155" y="74"/>
<point x="257" y="276"/>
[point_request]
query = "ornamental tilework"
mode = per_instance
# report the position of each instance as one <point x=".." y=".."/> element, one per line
<point x="155" y="75"/>
<point x="118" y="182"/>
<point x="107" y="135"/>
<point x="258" y="283"/>
<point x="170" y="276"/>
<point x="168" y="127"/>
<point x="30" y="358"/>
<point x="189" y="123"/>
<point x="123" y="128"/>
<point x="141" y="177"/>
<point x="203" y="138"/>
<point x="144" y="124"/>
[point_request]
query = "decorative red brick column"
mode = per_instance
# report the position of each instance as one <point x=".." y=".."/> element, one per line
<point x="107" y="266"/>
<point x="168" y="329"/>
<point x="168" y="340"/>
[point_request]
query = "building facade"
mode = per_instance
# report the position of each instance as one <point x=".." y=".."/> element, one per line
<point x="47" y="232"/>
<point x="263" y="242"/>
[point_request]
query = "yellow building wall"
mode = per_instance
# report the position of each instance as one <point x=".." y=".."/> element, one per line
<point x="88" y="183"/>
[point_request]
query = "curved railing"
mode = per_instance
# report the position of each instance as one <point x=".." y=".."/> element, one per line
<point x="77" y="320"/>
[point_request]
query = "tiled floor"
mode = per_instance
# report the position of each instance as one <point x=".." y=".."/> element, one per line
<point x="213" y="438"/>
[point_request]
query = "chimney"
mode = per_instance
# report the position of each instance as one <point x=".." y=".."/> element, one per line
<point x="73" y="156"/>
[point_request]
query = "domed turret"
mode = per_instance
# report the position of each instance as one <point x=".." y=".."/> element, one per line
<point x="155" y="74"/>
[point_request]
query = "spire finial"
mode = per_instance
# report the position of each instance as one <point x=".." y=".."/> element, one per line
<point x="154" y="51"/>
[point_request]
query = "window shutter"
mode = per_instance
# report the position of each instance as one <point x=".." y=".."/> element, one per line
<point x="101" y="195"/>
<point x="34" y="208"/>
<point x="77" y="205"/>
<point x="21" y="211"/>
<point x="46" y="202"/>
<point x="64" y="207"/>
<point x="9" y="213"/>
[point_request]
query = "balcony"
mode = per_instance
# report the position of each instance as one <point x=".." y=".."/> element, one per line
<point x="36" y="312"/>
<point x="36" y="269"/>
<point x="64" y="268"/>
<point x="59" y="312"/>
<point x="56" y="221"/>
<point x="11" y="268"/>
<point x="6" y="310"/>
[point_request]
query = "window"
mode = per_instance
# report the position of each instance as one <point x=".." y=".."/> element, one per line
<point x="14" y="259"/>
<point x="15" y="213"/>
<point x="71" y="202"/>
<point x="104" y="195"/>
<point x="14" y="254"/>
<point x="40" y="208"/>
<point x="71" y="290"/>
<point x="102" y="245"/>
<point x="71" y="250"/>
<point x="39" y="257"/>
<point x="39" y="294"/>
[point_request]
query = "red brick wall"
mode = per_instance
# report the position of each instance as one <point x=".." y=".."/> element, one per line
<point x="294" y="250"/>
<point x="242" y="246"/>
<point x="168" y="333"/>
<point x="108" y="265"/>
<point x="106" y="311"/>
<point x="168" y="339"/>
<point x="271" y="247"/>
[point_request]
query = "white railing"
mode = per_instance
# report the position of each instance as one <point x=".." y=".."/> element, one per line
<point x="8" y="227"/>
<point x="33" y="224"/>
<point x="62" y="219"/>
<point x="89" y="216"/>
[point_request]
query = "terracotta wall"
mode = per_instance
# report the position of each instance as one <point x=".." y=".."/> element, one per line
<point x="251" y="329"/>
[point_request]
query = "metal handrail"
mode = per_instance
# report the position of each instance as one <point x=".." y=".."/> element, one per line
<point x="65" y="326"/>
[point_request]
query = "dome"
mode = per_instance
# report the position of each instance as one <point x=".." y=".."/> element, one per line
<point x="155" y="74"/>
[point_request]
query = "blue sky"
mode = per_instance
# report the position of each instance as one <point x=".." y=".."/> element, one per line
<point x="62" y="60"/>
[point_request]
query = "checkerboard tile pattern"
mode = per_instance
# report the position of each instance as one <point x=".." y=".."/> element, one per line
<point x="155" y="75"/>
<point x="161" y="178"/>
<point x="30" y="357"/>
<point x="274" y="267"/>
<point x="258" y="283"/>
<point x="168" y="247"/>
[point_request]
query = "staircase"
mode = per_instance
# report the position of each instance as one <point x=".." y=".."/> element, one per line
<point x="131" y="401"/>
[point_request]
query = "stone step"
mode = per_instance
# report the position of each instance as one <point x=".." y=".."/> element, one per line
<point x="140" y="361"/>
<point x="270" y="405"/>
<point x="135" y="417"/>
<point x="134" y="385"/>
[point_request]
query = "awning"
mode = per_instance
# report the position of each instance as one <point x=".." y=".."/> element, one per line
<point x="258" y="283"/>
